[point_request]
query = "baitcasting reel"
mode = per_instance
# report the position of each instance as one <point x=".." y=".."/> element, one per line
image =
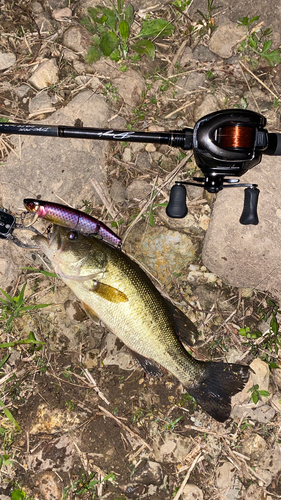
<point x="227" y="143"/>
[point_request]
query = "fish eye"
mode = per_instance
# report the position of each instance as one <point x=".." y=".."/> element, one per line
<point x="72" y="235"/>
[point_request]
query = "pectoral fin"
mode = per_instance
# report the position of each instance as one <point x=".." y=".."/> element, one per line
<point x="185" y="329"/>
<point x="108" y="292"/>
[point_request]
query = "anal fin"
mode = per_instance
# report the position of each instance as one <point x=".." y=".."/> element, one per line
<point x="150" y="367"/>
<point x="185" y="329"/>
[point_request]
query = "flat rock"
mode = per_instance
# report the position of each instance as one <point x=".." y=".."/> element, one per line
<point x="40" y="102"/>
<point x="189" y="82"/>
<point x="131" y="87"/>
<point x="171" y="448"/>
<point x="248" y="256"/>
<point x="53" y="168"/>
<point x="227" y="481"/>
<point x="225" y="38"/>
<point x="192" y="492"/>
<point x="45" y="75"/>
<point x="208" y="105"/>
<point x="7" y="59"/>
<point x="77" y="39"/>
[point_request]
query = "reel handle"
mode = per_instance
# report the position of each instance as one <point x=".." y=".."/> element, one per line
<point x="250" y="213"/>
<point x="176" y="208"/>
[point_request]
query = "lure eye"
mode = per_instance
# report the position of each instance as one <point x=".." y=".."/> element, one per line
<point x="31" y="206"/>
<point x="73" y="235"/>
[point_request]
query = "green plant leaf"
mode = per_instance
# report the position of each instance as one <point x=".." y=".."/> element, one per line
<point x="92" y="55"/>
<point x="273" y="57"/>
<point x="264" y="393"/>
<point x="111" y="18"/>
<point x="274" y="325"/>
<point x="115" y="55"/>
<point x="45" y="273"/>
<point x="266" y="46"/>
<point x="120" y="6"/>
<point x="10" y="299"/>
<point x="10" y="416"/>
<point x="97" y="15"/>
<point x="156" y="27"/>
<point x="3" y="361"/>
<point x="144" y="47"/>
<point x="88" y="24"/>
<point x="255" y="398"/>
<point x="129" y="14"/>
<point x="109" y="42"/>
<point x="18" y="494"/>
<point x="124" y="30"/>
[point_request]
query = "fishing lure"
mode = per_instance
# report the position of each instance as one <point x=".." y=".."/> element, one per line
<point x="74" y="219"/>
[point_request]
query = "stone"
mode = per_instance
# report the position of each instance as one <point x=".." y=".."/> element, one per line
<point x="225" y="38"/>
<point x="131" y="87"/>
<point x="49" y="485"/>
<point x="45" y="75"/>
<point x="255" y="492"/>
<point x="260" y="375"/>
<point x="22" y="90"/>
<point x="36" y="8"/>
<point x="149" y="473"/>
<point x="165" y="251"/>
<point x="77" y="39"/>
<point x="192" y="492"/>
<point x="253" y="446"/>
<point x="208" y="105"/>
<point x="117" y="192"/>
<point x="227" y="481"/>
<point x="171" y="448"/>
<point x="143" y="160"/>
<point x="187" y="225"/>
<point x="127" y="155"/>
<point x="186" y="57"/>
<point x="40" y="102"/>
<point x="190" y="82"/>
<point x="60" y="14"/>
<point x="138" y="190"/>
<point x="202" y="53"/>
<point x="53" y="420"/>
<point x="251" y="257"/>
<point x="7" y="59"/>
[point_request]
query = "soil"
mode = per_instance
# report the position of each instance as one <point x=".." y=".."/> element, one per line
<point x="85" y="439"/>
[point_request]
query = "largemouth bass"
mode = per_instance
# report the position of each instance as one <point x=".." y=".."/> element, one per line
<point x="114" y="288"/>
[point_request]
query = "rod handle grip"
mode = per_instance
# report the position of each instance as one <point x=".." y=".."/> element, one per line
<point x="176" y="208"/>
<point x="250" y="210"/>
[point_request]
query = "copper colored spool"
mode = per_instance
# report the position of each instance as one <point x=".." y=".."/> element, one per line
<point x="236" y="136"/>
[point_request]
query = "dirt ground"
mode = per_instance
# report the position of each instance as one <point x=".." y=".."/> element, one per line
<point x="78" y="426"/>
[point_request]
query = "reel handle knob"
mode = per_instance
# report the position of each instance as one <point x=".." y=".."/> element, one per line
<point x="250" y="213"/>
<point x="176" y="208"/>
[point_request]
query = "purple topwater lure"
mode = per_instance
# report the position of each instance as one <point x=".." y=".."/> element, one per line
<point x="74" y="219"/>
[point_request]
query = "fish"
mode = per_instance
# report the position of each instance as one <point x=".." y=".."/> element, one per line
<point x="114" y="288"/>
<point x="65" y="216"/>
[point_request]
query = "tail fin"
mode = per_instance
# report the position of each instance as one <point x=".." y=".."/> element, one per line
<point x="214" y="390"/>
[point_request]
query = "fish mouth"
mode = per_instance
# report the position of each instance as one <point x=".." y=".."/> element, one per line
<point x="55" y="244"/>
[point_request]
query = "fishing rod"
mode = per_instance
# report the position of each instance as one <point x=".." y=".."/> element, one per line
<point x="226" y="144"/>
